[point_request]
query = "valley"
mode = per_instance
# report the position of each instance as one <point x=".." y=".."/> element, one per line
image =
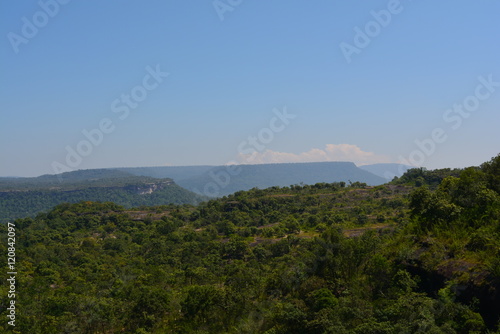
<point x="417" y="254"/>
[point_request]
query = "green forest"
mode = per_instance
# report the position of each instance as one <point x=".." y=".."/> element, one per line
<point x="25" y="197"/>
<point x="420" y="254"/>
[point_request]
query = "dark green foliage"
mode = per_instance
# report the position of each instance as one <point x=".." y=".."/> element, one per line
<point x="280" y="260"/>
<point x="420" y="176"/>
<point x="492" y="171"/>
<point x="24" y="197"/>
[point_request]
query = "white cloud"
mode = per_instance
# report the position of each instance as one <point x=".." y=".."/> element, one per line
<point x="332" y="152"/>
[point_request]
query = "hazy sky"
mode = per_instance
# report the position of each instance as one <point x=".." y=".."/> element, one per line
<point x="85" y="85"/>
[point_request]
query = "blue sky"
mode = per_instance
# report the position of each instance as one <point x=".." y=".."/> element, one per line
<point x="233" y="66"/>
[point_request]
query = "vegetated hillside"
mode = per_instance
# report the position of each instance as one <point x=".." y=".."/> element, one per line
<point x="215" y="182"/>
<point x="431" y="178"/>
<point x="71" y="180"/>
<point x="327" y="258"/>
<point x="387" y="170"/>
<point x="177" y="173"/>
<point x="25" y="197"/>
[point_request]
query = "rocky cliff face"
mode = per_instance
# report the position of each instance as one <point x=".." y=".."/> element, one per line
<point x="149" y="188"/>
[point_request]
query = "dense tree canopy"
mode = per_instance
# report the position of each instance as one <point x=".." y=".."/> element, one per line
<point x="326" y="258"/>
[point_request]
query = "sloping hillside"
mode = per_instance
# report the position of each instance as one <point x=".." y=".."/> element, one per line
<point x="219" y="181"/>
<point x="177" y="173"/>
<point x="325" y="258"/>
<point x="224" y="180"/>
<point x="24" y="197"/>
<point x="388" y="170"/>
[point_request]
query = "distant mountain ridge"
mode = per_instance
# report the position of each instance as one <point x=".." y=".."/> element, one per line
<point x="387" y="170"/>
<point x="25" y="197"/>
<point x="177" y="173"/>
<point x="88" y="177"/>
<point x="224" y="180"/>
